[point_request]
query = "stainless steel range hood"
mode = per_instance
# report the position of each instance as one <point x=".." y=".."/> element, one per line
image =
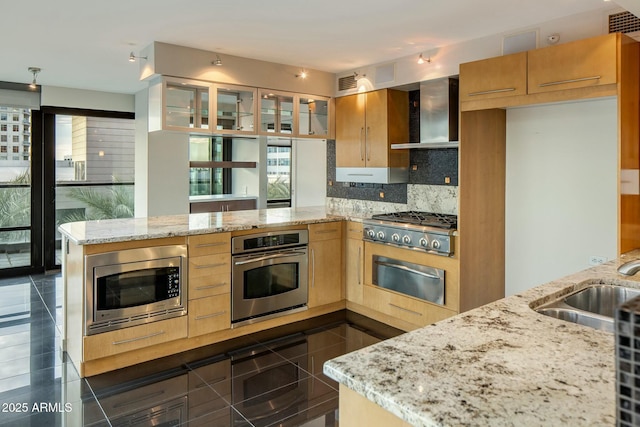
<point x="438" y="115"/>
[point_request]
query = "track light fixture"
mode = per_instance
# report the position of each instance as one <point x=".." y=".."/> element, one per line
<point x="357" y="76"/>
<point x="132" y="57"/>
<point x="303" y="74"/>
<point x="217" y="62"/>
<point x="34" y="71"/>
<point x="421" y="59"/>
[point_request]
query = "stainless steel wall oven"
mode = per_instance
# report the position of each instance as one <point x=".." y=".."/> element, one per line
<point x="135" y="286"/>
<point x="269" y="275"/>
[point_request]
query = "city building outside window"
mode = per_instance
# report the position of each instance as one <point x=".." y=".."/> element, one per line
<point x="16" y="128"/>
<point x="3" y="138"/>
<point x="3" y="149"/>
<point x="16" y="117"/>
<point x="15" y="149"/>
<point x="3" y="127"/>
<point x="15" y="138"/>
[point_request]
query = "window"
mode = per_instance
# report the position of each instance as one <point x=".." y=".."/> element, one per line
<point x="3" y="149"/>
<point x="3" y="116"/>
<point x="15" y="138"/>
<point x="25" y="139"/>
<point x="25" y="157"/>
<point x="79" y="171"/>
<point x="3" y="157"/>
<point x="16" y="117"/>
<point x="16" y="128"/>
<point x="207" y="181"/>
<point x="15" y="149"/>
<point x="3" y="138"/>
<point x="15" y="157"/>
<point x="3" y="128"/>
<point x="25" y="149"/>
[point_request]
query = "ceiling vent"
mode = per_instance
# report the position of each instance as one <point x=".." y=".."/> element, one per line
<point x="348" y="82"/>
<point x="624" y="22"/>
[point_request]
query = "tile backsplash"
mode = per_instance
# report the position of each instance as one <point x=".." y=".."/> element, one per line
<point x="427" y="189"/>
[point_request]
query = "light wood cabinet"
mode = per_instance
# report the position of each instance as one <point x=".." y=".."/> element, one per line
<point x="582" y="63"/>
<point x="133" y="338"/>
<point x="209" y="314"/>
<point x="366" y="126"/>
<point x="494" y="77"/>
<point x="325" y="264"/>
<point x="354" y="262"/>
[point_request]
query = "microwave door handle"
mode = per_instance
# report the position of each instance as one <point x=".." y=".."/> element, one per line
<point x="266" y="257"/>
<point x="409" y="269"/>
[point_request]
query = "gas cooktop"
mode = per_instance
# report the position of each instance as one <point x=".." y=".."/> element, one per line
<point x="427" y="219"/>
<point x="425" y="231"/>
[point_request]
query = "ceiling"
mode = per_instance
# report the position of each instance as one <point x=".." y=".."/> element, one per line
<point x="85" y="44"/>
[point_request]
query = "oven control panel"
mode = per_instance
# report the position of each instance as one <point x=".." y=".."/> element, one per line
<point x="438" y="242"/>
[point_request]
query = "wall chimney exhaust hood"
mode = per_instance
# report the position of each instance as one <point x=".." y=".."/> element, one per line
<point x="438" y="115"/>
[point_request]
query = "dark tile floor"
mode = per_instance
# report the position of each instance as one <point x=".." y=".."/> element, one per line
<point x="268" y="379"/>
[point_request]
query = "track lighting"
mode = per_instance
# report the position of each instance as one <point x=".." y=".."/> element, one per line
<point x="303" y="74"/>
<point x="132" y="57"/>
<point x="421" y="59"/>
<point x="34" y="71"/>
<point x="357" y="76"/>
<point x="217" y="62"/>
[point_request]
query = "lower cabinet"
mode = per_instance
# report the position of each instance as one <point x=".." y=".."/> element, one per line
<point x="134" y="338"/>
<point x="209" y="314"/>
<point x="354" y="262"/>
<point x="325" y="263"/>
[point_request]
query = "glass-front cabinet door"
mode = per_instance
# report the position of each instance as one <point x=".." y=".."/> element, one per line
<point x="313" y="116"/>
<point x="235" y="109"/>
<point x="277" y="114"/>
<point x="186" y="105"/>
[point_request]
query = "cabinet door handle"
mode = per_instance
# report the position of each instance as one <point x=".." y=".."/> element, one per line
<point x="206" y="245"/>
<point x="561" y="82"/>
<point x="362" y="143"/>
<point x="487" y="92"/>
<point x="408" y="269"/>
<point x="201" y="288"/>
<point x="313" y="268"/>
<point x="220" y="264"/>
<point x="358" y="265"/>
<point x="208" y="316"/>
<point x="405" y="309"/>
<point x="367" y="145"/>
<point x="325" y="231"/>
<point x="138" y="338"/>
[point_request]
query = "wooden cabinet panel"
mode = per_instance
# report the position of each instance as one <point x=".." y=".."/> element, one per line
<point x="583" y="63"/>
<point x="209" y="275"/>
<point x="354" y="262"/>
<point x="209" y="314"/>
<point x="207" y="244"/>
<point x="325" y="264"/>
<point x="366" y="126"/>
<point x="494" y="77"/>
<point x="399" y="306"/>
<point x="133" y="338"/>
<point x="222" y="206"/>
<point x="350" y="128"/>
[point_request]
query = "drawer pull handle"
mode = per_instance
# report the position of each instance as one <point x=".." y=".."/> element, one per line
<point x="326" y="231"/>
<point x="208" y="245"/>
<point x="208" y="316"/>
<point x="408" y="269"/>
<point x="405" y="309"/>
<point x="138" y="338"/>
<point x="353" y="230"/>
<point x="487" y="92"/>
<point x="561" y="82"/>
<point x="201" y="288"/>
<point x="220" y="264"/>
<point x="358" y="266"/>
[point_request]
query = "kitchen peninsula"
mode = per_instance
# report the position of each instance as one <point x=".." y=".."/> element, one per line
<point x="499" y="364"/>
<point x="99" y="344"/>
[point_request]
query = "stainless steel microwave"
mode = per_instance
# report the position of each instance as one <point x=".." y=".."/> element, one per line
<point x="135" y="286"/>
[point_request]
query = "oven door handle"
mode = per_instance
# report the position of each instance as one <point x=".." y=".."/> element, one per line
<point x="409" y="269"/>
<point x="266" y="257"/>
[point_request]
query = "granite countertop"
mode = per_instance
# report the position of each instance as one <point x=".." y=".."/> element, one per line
<point x="128" y="229"/>
<point x="499" y="364"/>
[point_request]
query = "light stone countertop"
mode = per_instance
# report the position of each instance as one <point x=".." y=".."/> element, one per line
<point x="502" y="364"/>
<point x="129" y="229"/>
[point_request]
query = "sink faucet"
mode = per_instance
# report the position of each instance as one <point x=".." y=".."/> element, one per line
<point x="630" y="268"/>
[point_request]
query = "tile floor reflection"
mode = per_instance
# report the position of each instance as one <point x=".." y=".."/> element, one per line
<point x="258" y="380"/>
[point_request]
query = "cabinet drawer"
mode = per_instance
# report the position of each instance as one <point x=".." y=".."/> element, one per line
<point x="209" y="275"/>
<point x="209" y="314"/>
<point x="133" y="338"/>
<point x="325" y="231"/>
<point x="402" y="307"/>
<point x="494" y="77"/>
<point x="207" y="244"/>
<point x="583" y="63"/>
<point x="353" y="230"/>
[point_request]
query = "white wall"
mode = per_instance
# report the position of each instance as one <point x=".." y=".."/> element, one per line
<point x="561" y="190"/>
<point x="53" y="96"/>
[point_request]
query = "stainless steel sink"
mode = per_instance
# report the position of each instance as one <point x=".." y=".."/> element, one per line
<point x="593" y="306"/>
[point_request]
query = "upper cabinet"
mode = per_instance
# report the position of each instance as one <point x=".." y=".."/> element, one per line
<point x="235" y="109"/>
<point x="575" y="70"/>
<point x="494" y="77"/>
<point x="185" y="105"/>
<point x="583" y="63"/>
<point x="366" y="126"/>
